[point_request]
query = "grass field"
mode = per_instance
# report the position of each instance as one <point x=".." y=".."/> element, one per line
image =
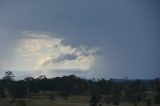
<point x="72" y="101"/>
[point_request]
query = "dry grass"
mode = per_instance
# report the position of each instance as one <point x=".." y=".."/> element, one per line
<point x="72" y="101"/>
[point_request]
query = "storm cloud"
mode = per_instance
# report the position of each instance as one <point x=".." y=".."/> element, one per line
<point x="106" y="38"/>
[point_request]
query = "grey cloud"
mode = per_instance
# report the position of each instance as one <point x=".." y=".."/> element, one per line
<point x="61" y="58"/>
<point x="65" y="57"/>
<point x="98" y="52"/>
<point x="73" y="56"/>
<point x="88" y="51"/>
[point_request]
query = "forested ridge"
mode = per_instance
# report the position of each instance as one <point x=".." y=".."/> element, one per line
<point x="112" y="90"/>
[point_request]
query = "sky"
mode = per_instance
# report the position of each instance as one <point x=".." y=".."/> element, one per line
<point x="89" y="38"/>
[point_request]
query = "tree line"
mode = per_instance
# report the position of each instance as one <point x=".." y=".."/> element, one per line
<point x="111" y="90"/>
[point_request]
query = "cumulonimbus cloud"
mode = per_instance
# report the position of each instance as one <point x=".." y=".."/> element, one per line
<point x="44" y="53"/>
<point x="38" y="51"/>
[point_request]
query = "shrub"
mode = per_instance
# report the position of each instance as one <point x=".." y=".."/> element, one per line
<point x="64" y="95"/>
<point x="12" y="101"/>
<point x="116" y="100"/>
<point x="100" y="104"/>
<point x="108" y="99"/>
<point x="148" y="102"/>
<point x="21" y="103"/>
<point x="157" y="99"/>
<point x="52" y="97"/>
<point x="93" y="101"/>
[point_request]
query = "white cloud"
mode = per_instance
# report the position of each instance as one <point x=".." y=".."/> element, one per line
<point x="41" y="52"/>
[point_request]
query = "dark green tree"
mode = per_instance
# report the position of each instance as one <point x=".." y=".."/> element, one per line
<point x="8" y="76"/>
<point x="148" y="102"/>
<point x="134" y="92"/>
<point x="2" y="90"/>
<point x="157" y="99"/>
<point x="93" y="101"/>
<point x="52" y="96"/>
<point x="8" y="80"/>
<point x="108" y="100"/>
<point x="20" y="89"/>
<point x="64" y="94"/>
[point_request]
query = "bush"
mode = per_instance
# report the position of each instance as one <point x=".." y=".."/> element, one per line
<point x="64" y="95"/>
<point x="108" y="99"/>
<point x="52" y="97"/>
<point x="100" y="104"/>
<point x="116" y="100"/>
<point x="97" y="95"/>
<point x="157" y="99"/>
<point x="94" y="101"/>
<point x="148" y="102"/>
<point x="12" y="101"/>
<point x="2" y="91"/>
<point x="21" y="103"/>
<point x="134" y="103"/>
